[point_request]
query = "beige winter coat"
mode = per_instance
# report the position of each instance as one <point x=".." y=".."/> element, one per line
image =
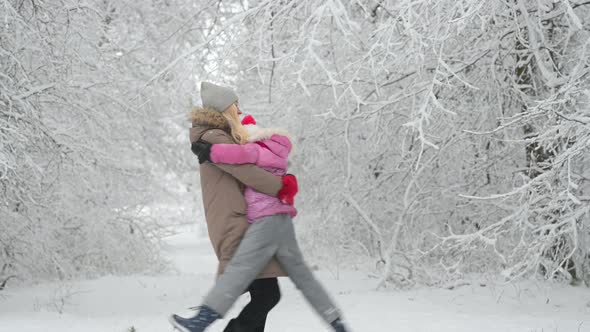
<point x="222" y="188"/>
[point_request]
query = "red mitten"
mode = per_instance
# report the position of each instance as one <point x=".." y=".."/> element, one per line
<point x="287" y="194"/>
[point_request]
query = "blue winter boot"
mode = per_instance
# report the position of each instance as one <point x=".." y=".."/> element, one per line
<point x="338" y="326"/>
<point x="205" y="317"/>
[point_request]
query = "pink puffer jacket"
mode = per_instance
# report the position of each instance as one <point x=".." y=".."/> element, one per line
<point x="268" y="149"/>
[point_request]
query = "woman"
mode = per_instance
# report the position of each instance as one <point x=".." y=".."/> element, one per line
<point x="271" y="232"/>
<point x="225" y="207"/>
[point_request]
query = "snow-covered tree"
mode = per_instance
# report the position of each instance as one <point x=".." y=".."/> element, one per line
<point x="434" y="136"/>
<point x="90" y="135"/>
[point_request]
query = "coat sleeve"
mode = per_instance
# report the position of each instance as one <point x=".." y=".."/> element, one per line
<point x="249" y="174"/>
<point x="235" y="153"/>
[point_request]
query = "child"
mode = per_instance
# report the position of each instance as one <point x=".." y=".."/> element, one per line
<point x="271" y="232"/>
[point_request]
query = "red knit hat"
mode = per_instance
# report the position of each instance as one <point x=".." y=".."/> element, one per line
<point x="248" y="120"/>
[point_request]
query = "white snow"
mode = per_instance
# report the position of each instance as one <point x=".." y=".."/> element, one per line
<point x="144" y="302"/>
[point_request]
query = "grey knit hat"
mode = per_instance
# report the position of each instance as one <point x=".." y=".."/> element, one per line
<point x="218" y="97"/>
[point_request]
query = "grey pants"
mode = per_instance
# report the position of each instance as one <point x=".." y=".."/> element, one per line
<point x="268" y="237"/>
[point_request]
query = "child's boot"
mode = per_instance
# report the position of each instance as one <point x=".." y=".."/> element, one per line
<point x="205" y="317"/>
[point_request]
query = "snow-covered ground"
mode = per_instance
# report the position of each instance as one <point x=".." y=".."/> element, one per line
<point x="116" y="304"/>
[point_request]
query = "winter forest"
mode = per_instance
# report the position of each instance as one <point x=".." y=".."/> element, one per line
<point x="436" y="141"/>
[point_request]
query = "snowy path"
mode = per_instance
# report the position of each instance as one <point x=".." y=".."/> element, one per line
<point x="144" y="302"/>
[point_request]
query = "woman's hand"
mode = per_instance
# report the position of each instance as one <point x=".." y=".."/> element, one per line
<point x="202" y="149"/>
<point x="290" y="188"/>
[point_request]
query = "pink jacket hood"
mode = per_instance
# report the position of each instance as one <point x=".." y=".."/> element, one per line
<point x="277" y="140"/>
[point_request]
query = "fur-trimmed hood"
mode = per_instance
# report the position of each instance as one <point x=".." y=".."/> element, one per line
<point x="206" y="118"/>
<point x="256" y="133"/>
<point x="278" y="140"/>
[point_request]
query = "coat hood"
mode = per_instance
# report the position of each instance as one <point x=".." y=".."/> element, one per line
<point x="277" y="139"/>
<point x="203" y="119"/>
<point x="256" y="133"/>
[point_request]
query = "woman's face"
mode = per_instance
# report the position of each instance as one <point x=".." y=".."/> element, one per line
<point x="233" y="111"/>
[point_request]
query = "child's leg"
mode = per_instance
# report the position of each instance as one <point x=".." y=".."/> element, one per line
<point x="255" y="251"/>
<point x="292" y="262"/>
